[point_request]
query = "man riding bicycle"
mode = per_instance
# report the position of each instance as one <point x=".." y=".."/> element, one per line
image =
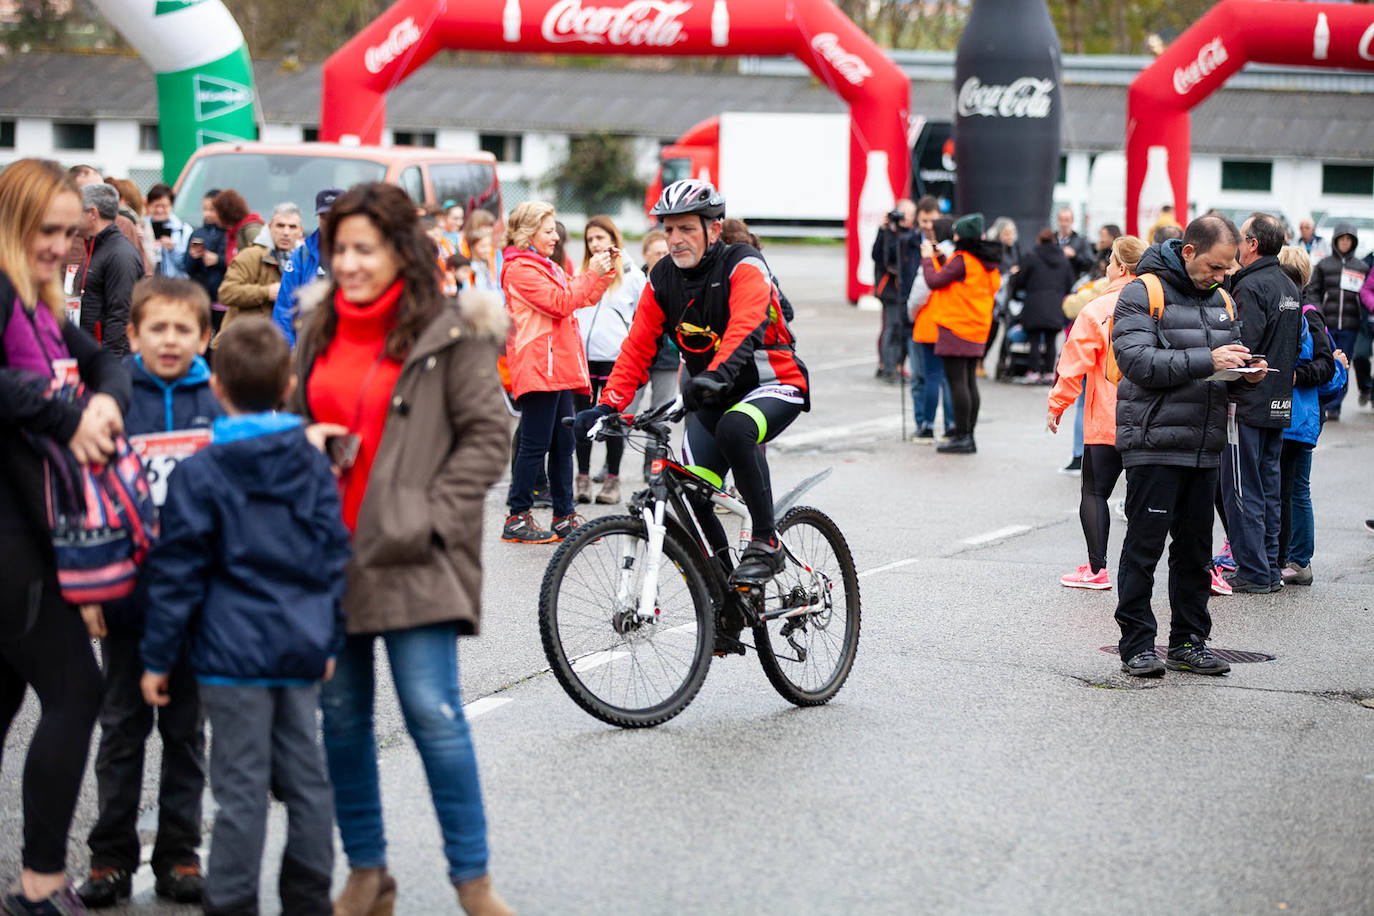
<point x="744" y="383"/>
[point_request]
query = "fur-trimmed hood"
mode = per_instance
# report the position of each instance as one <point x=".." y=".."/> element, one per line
<point x="481" y="312"/>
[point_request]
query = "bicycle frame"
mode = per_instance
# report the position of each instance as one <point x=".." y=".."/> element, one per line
<point x="692" y="499"/>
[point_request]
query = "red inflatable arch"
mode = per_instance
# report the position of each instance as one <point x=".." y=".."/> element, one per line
<point x="1233" y="33"/>
<point x="358" y="76"/>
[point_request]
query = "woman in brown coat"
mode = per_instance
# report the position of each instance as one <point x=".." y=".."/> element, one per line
<point x="404" y="383"/>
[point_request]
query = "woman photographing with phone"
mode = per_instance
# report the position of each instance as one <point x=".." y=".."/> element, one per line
<point x="403" y="385"/>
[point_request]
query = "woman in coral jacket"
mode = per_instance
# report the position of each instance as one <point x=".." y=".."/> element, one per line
<point x="547" y="364"/>
<point x="1082" y="367"/>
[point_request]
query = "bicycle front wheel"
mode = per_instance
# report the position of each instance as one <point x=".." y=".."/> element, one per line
<point x="808" y="656"/>
<point x="615" y="663"/>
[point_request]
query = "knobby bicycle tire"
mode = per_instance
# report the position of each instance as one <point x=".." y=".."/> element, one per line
<point x="556" y="589"/>
<point x="777" y="669"/>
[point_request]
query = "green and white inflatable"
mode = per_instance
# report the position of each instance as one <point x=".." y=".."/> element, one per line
<point x="204" y="76"/>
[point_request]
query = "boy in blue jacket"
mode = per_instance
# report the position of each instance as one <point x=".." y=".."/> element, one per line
<point x="169" y="328"/>
<point x="250" y="568"/>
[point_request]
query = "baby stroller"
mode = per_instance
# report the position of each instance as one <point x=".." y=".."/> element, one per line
<point x="1013" y="355"/>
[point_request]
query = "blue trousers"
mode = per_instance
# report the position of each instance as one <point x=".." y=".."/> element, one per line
<point x="424" y="668"/>
<point x="929" y="388"/>
<point x="1251" y="486"/>
<point x="1302" y="534"/>
<point x="542" y="434"/>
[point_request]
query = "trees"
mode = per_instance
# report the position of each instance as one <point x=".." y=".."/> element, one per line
<point x="599" y="172"/>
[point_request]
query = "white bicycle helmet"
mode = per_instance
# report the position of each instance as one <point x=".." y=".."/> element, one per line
<point x="690" y="196"/>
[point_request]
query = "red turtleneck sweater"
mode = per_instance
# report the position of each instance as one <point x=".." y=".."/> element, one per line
<point x="351" y="385"/>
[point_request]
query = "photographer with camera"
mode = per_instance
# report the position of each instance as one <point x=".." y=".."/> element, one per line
<point x="895" y="237"/>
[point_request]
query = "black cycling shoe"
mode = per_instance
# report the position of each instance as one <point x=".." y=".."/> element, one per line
<point x="105" y="886"/>
<point x="1143" y="664"/>
<point x="760" y="562"/>
<point x="727" y="643"/>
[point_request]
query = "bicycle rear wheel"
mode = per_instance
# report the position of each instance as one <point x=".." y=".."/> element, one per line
<point x="807" y="657"/>
<point x="620" y="668"/>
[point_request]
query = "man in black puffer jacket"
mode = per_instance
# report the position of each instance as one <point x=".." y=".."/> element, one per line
<point x="1170" y="429"/>
<point x="1267" y="302"/>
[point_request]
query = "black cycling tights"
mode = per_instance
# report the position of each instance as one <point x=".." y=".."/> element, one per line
<point x="1101" y="469"/>
<point x="962" y="373"/>
<point x="732" y="440"/>
<point x="49" y="650"/>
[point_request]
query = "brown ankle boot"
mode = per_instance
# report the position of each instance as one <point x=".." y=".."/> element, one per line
<point x="478" y="899"/>
<point x="368" y="892"/>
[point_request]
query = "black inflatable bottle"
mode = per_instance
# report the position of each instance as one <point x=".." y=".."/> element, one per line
<point x="1007" y="111"/>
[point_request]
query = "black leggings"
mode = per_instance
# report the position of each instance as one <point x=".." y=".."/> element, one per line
<point x="1289" y="454"/>
<point x="615" y="447"/>
<point x="1042" y="351"/>
<point x="732" y="439"/>
<point x="962" y="372"/>
<point x="43" y="644"/>
<point x="1101" y="470"/>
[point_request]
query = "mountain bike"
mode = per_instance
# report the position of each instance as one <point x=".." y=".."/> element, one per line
<point x="634" y="607"/>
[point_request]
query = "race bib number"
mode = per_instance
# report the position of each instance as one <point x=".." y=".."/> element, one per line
<point x="1351" y="280"/>
<point x="162" y="452"/>
<point x="69" y="281"/>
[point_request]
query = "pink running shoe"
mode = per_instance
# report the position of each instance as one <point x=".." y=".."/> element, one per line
<point x="1084" y="577"/>
<point x="1219" y="585"/>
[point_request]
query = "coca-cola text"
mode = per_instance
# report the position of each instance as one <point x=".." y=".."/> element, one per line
<point x="1027" y="97"/>
<point x="403" y="35"/>
<point x="1209" y="57"/>
<point x="647" y="23"/>
<point x="849" y="65"/>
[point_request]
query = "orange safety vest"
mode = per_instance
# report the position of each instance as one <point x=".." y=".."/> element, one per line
<point x="963" y="308"/>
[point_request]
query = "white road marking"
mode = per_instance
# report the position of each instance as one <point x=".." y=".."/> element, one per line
<point x="791" y="441"/>
<point x="596" y="660"/>
<point x="850" y="363"/>
<point x="486" y="704"/>
<point x="897" y="565"/>
<point x="990" y="536"/>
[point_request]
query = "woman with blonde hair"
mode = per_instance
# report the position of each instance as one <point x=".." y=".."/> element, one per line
<point x="43" y="641"/>
<point x="547" y="364"/>
<point x="604" y="326"/>
<point x="1082" y="367"/>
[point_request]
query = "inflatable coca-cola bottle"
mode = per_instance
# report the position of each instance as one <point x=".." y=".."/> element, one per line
<point x="1007" y="109"/>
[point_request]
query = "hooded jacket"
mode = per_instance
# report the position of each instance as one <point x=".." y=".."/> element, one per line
<point x="1336" y="282"/>
<point x="1085" y="357"/>
<point x="544" y="347"/>
<point x="1267" y="308"/>
<point x="1166" y="411"/>
<point x="1047" y="277"/>
<point x="250" y="560"/>
<point x="160" y="407"/>
<point x="417" y="551"/>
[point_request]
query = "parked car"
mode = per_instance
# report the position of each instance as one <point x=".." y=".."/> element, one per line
<point x="267" y="174"/>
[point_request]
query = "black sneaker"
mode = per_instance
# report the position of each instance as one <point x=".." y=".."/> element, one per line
<point x="760" y="562"/>
<point x="105" y="886"/>
<point x="1074" y="467"/>
<point x="1242" y="586"/>
<point x="522" y="529"/>
<point x="959" y="445"/>
<point x="564" y="525"/>
<point x="65" y="902"/>
<point x="183" y="883"/>
<point x="1369" y="525"/>
<point x="1143" y="664"/>
<point x="1194" y="657"/>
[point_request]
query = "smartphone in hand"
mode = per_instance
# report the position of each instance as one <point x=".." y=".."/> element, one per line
<point x="342" y="450"/>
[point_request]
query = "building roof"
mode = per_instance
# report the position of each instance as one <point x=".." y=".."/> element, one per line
<point x="1330" y="123"/>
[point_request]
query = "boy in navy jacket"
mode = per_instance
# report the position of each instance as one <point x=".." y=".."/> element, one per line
<point x="169" y="328"/>
<point x="250" y="568"/>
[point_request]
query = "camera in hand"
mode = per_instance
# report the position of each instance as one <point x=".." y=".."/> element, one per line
<point x="894" y="218"/>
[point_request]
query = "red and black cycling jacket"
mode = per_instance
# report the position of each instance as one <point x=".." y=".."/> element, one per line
<point x="724" y="315"/>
